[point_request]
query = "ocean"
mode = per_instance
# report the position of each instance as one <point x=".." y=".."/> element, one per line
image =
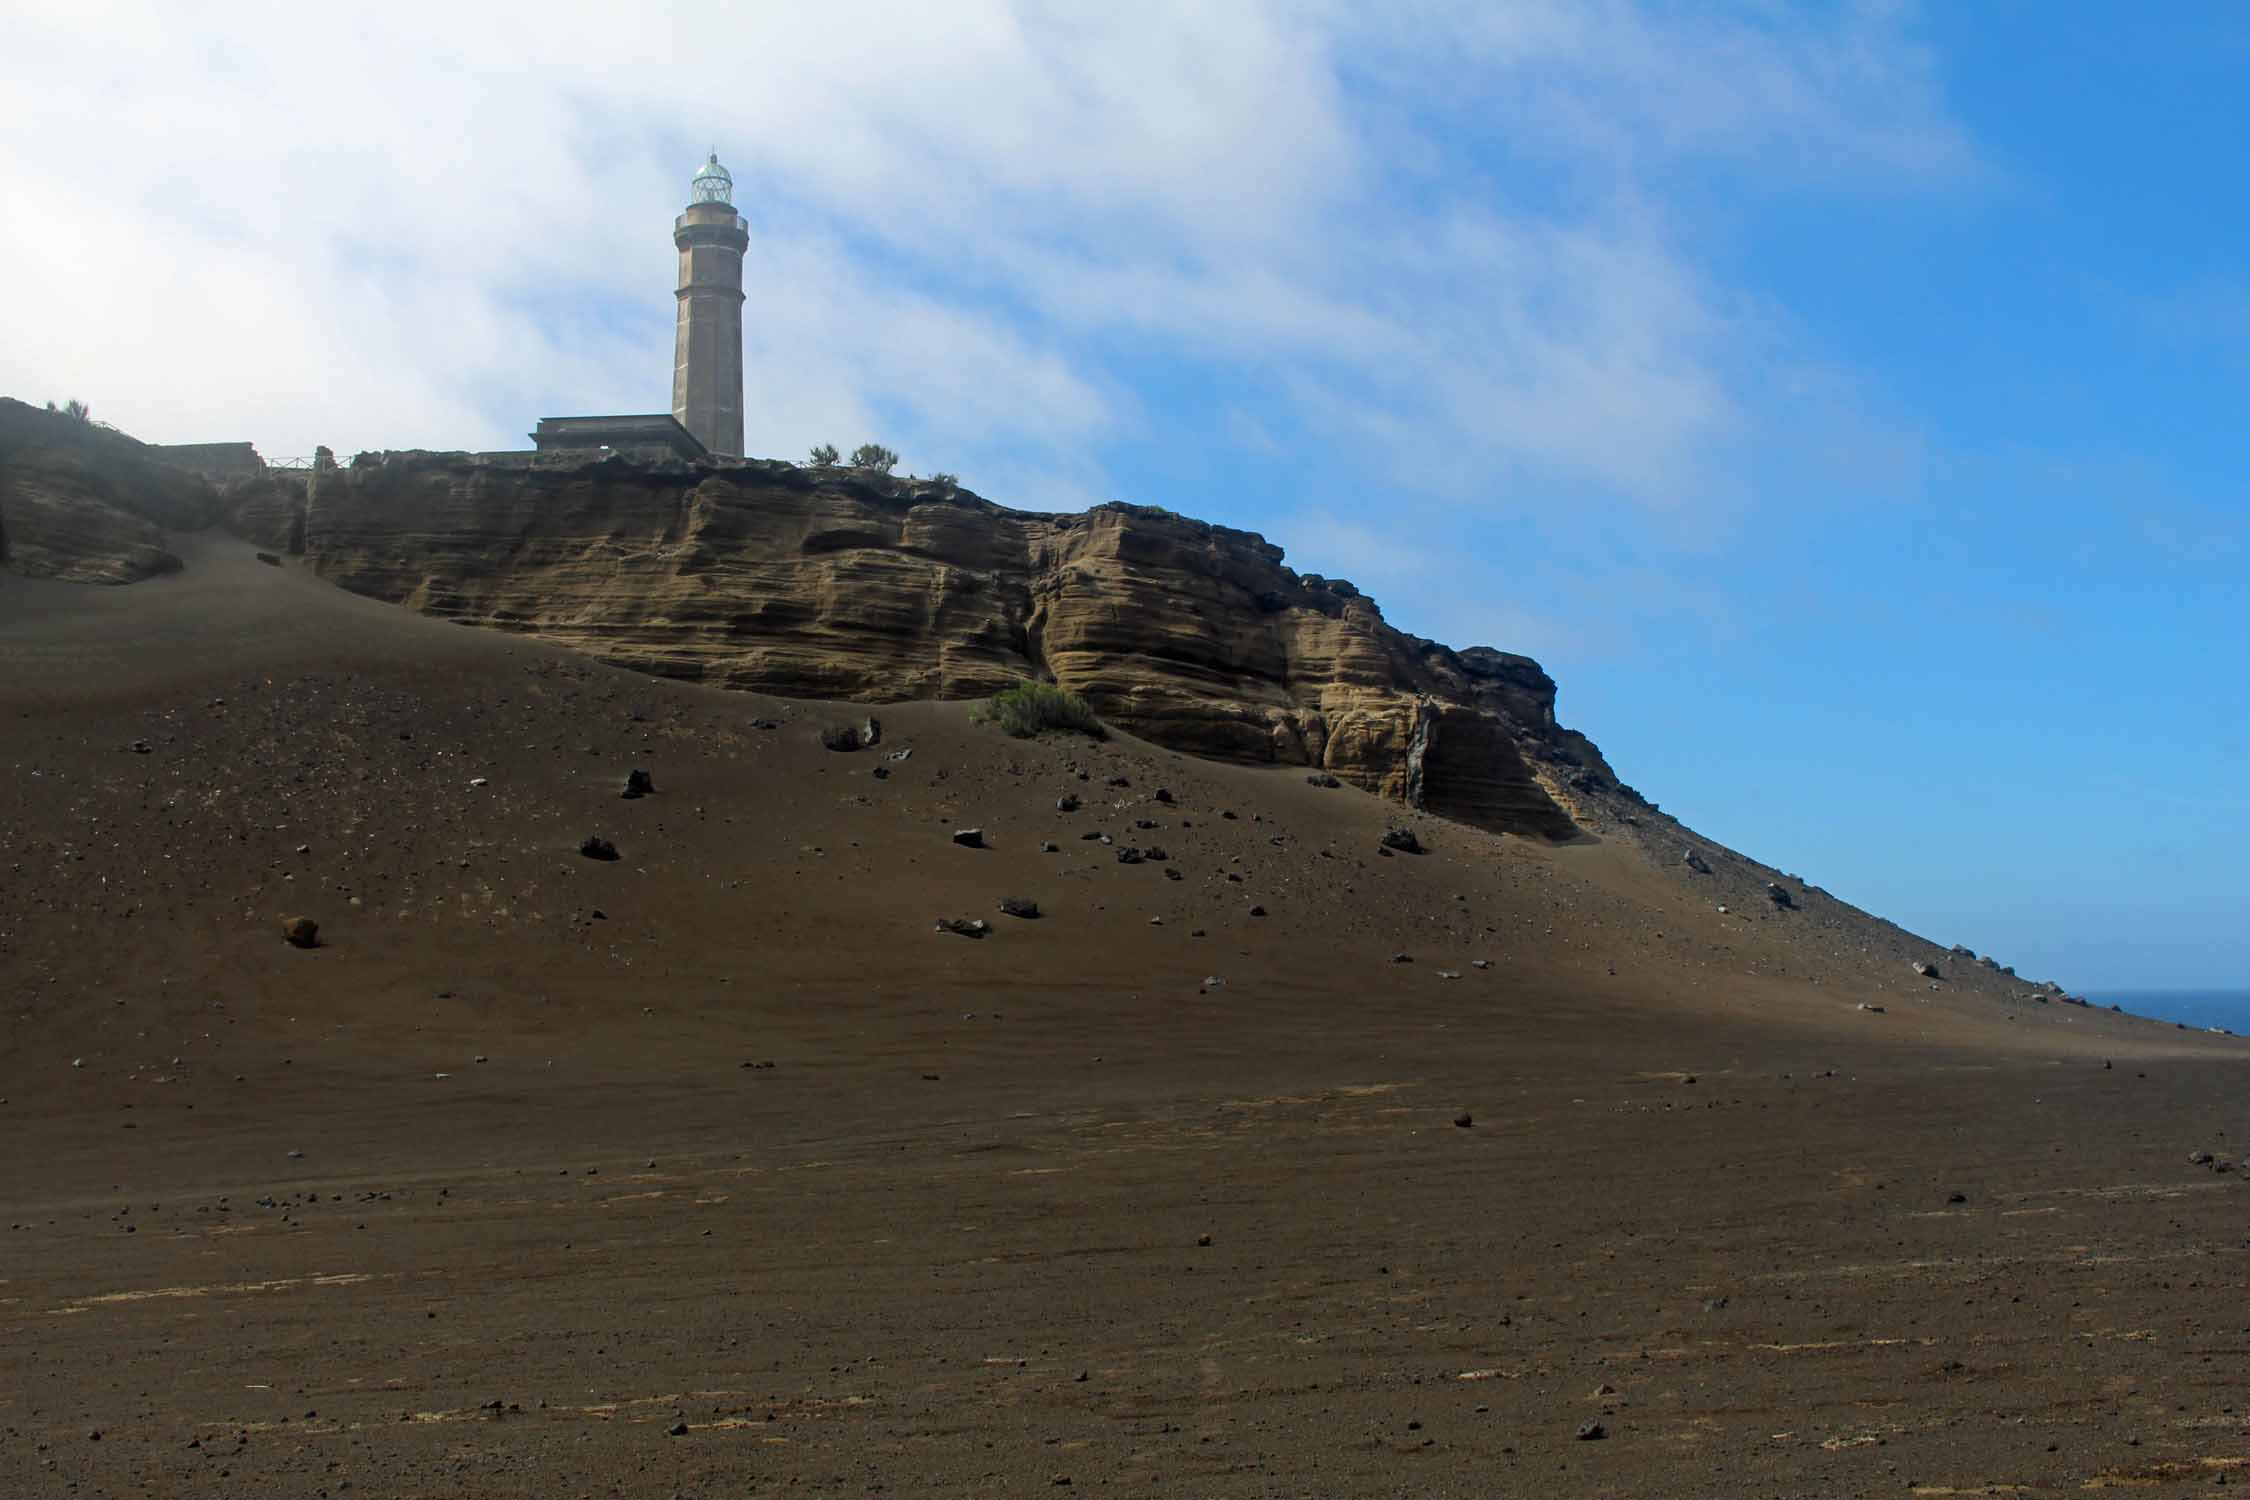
<point x="2228" y="1008"/>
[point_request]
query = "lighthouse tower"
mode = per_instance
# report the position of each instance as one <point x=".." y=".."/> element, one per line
<point x="707" y="358"/>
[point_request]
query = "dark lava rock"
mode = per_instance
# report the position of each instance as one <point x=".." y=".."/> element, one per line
<point x="1066" y="804"/>
<point x="677" y="1429"/>
<point x="597" y="847"/>
<point x="882" y="773"/>
<point x="859" y="736"/>
<point x="268" y="559"/>
<point x="2199" y="1158"/>
<point x="1257" y="911"/>
<point x="1464" y="1119"/>
<point x="1401" y="839"/>
<point x="968" y="927"/>
<point x="969" y="838"/>
<point x="1171" y="874"/>
<point x="1128" y="856"/>
<point x="300" y="932"/>
<point x="1017" y="906"/>
<point x="1927" y="971"/>
<point x="1591" y="1432"/>
<point x="1402" y="958"/>
<point x="1957" y="1197"/>
<point x="1164" y="795"/>
<point x="1779" y="897"/>
<point x="1694" y="861"/>
<point x="1155" y="852"/>
<point x="1323" y="779"/>
<point x="638" y="783"/>
<point x="1049" y="846"/>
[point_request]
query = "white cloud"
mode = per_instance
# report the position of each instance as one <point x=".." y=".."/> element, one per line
<point x="427" y="225"/>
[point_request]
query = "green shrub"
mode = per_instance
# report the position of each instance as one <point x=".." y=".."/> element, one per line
<point x="874" y="456"/>
<point x="1029" y="707"/>
<point x="824" y="455"/>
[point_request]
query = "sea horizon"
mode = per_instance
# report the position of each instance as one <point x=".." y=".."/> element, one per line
<point x="2228" y="1008"/>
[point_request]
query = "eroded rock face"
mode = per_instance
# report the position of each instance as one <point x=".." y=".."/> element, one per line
<point x="80" y="503"/>
<point x="832" y="584"/>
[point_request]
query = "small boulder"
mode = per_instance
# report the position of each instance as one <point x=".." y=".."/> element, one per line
<point x="1066" y="803"/>
<point x="1401" y="839"/>
<point x="1017" y="906"/>
<point x="1164" y="795"/>
<point x="269" y="559"/>
<point x="300" y="932"/>
<point x="861" y="736"/>
<point x="638" y="783"/>
<point x="1128" y="856"/>
<point x="968" y="927"/>
<point x="1323" y="779"/>
<point x="1780" y="896"/>
<point x="596" y="847"/>
<point x="1694" y="861"/>
<point x="1927" y="971"/>
<point x="969" y="838"/>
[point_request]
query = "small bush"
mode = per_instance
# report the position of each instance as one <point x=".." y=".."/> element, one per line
<point x="874" y="456"/>
<point x="824" y="456"/>
<point x="1029" y="707"/>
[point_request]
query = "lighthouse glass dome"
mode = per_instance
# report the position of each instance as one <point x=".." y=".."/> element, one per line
<point x="713" y="184"/>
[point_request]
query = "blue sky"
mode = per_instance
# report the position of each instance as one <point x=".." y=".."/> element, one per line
<point x="1845" y="402"/>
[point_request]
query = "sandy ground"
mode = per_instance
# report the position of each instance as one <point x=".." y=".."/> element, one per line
<point x="714" y="1170"/>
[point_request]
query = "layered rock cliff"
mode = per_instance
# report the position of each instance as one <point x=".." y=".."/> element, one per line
<point x="831" y="583"/>
<point x="85" y="504"/>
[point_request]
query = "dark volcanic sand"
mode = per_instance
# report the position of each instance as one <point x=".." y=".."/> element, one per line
<point x="951" y="1239"/>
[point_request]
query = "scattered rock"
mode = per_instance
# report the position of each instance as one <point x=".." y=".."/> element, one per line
<point x="1172" y="873"/>
<point x="1049" y="846"/>
<point x="1017" y="906"/>
<point x="969" y="838"/>
<point x="638" y="783"/>
<point x="1871" y="1009"/>
<point x="1323" y="779"/>
<point x="1591" y="1432"/>
<point x="300" y="932"/>
<point x="677" y="1429"/>
<point x="1480" y="963"/>
<point x="1402" y="958"/>
<point x="268" y="559"/>
<point x="596" y="847"/>
<point x="900" y="755"/>
<point x="1128" y="856"/>
<point x="1203" y="1239"/>
<point x="1779" y="896"/>
<point x="882" y="773"/>
<point x="1257" y="911"/>
<point x="477" y="781"/>
<point x="1927" y="971"/>
<point x="1694" y="861"/>
<point x="1401" y="839"/>
<point x="2199" y="1158"/>
<point x="1464" y="1119"/>
<point x="1449" y="973"/>
<point x="1957" y="1197"/>
<point x="1066" y="803"/>
<point x="861" y="736"/>
<point x="1163" y="795"/>
<point x="968" y="927"/>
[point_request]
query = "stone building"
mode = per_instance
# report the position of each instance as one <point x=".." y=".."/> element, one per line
<point x="652" y="434"/>
<point x="707" y="355"/>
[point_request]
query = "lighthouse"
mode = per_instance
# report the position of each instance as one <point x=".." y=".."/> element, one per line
<point x="707" y="356"/>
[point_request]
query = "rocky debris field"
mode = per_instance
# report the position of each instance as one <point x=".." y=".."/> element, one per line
<point x="1287" y="1157"/>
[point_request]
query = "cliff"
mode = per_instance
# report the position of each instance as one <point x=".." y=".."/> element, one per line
<point x="830" y="583"/>
<point x="86" y="504"/>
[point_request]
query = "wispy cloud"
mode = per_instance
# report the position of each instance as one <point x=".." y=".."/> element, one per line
<point x="1444" y="245"/>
